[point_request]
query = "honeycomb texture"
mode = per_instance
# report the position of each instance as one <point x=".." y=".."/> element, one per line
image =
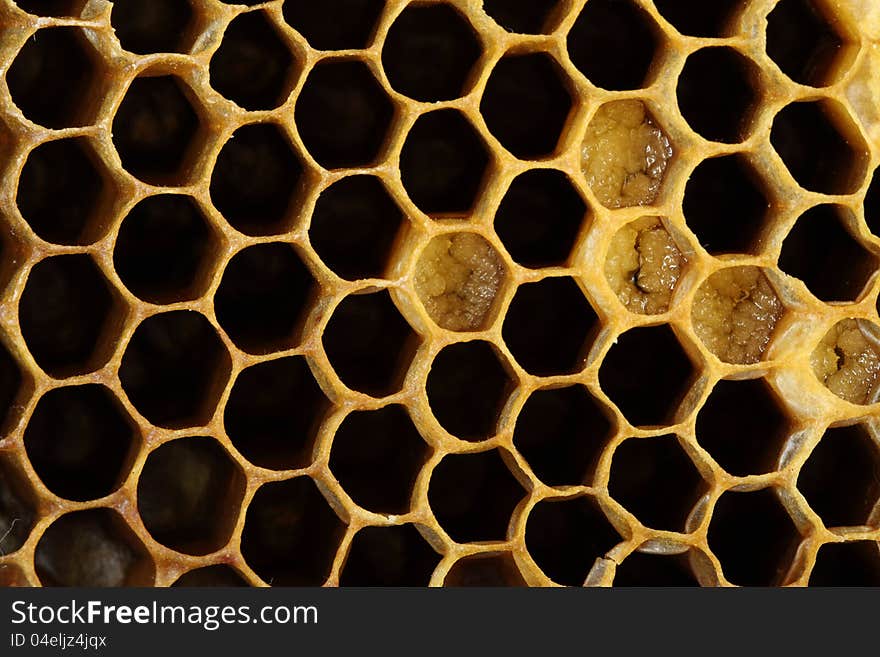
<point x="444" y="292"/>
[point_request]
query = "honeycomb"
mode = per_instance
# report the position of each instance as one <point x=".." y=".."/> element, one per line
<point x="439" y="292"/>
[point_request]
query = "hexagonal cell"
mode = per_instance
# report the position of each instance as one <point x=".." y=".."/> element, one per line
<point x="458" y="278"/>
<point x="743" y="426"/>
<point x="10" y="382"/>
<point x="369" y="344"/>
<point x="625" y="155"/>
<point x="218" y="575"/>
<point x="753" y="537"/>
<point x="273" y="413"/>
<point x="716" y="94"/>
<point x="523" y="16"/>
<point x="656" y="481"/>
<point x="435" y="33"/>
<point x="839" y="478"/>
<point x="872" y="204"/>
<point x="163" y="249"/>
<point x="854" y="563"/>
<point x="17" y="509"/>
<point x="647" y="374"/>
<point x="458" y="480"/>
<point x="735" y="312"/>
<point x="57" y="8"/>
<point x="725" y="205"/>
<point x="526" y="104"/>
<point x="255" y="179"/>
<point x="376" y="457"/>
<point x="291" y="534"/>
<point x="467" y="387"/>
<point x="92" y="548"/>
<point x="482" y="570"/>
<point x="549" y="326"/>
<point x="565" y="536"/>
<point x="540" y="217"/>
<point x="443" y="163"/>
<point x="80" y="442"/>
<point x="53" y="77"/>
<point x="335" y="24"/>
<point x="802" y="42"/>
<point x="847" y="360"/>
<point x="62" y="191"/>
<point x="68" y="315"/>
<point x="821" y="242"/>
<point x="189" y="494"/>
<point x="253" y="66"/>
<point x="802" y="130"/>
<point x="599" y="30"/>
<point x="389" y="556"/>
<point x="155" y="130"/>
<point x="160" y="26"/>
<point x="644" y="265"/>
<point x="561" y="432"/>
<point x="646" y="569"/>
<point x="343" y="114"/>
<point x="700" y="19"/>
<point x="354" y="225"/>
<point x="174" y="368"/>
<point x="263" y="297"/>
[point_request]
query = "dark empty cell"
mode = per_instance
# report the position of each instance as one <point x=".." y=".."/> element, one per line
<point x="64" y="312"/>
<point x="162" y="249"/>
<point x="376" y="457"/>
<point x="263" y="297"/>
<point x="154" y="129"/>
<point x="10" y="381"/>
<point x="716" y="96"/>
<point x="847" y="564"/>
<point x="802" y="42"/>
<point x="561" y="432"/>
<point x="92" y="548"/>
<point x="485" y="570"/>
<point x="466" y="388"/>
<point x="369" y="344"/>
<point x="840" y="478"/>
<point x="17" y="510"/>
<point x="548" y="326"/>
<point x="256" y="176"/>
<point x="188" y="495"/>
<point x="566" y="536"/>
<point x="291" y="534"/>
<point x="219" y="575"/>
<point x="389" y="556"/>
<point x="252" y="66"/>
<point x="819" y="157"/>
<point x="742" y="427"/>
<point x="80" y="442"/>
<point x="646" y="374"/>
<point x="540" y="217"/>
<point x="343" y="114"/>
<point x="334" y="24"/>
<point x="700" y="18"/>
<point x="473" y="496"/>
<point x="594" y="44"/>
<point x="522" y="16"/>
<point x="430" y="33"/>
<point x="725" y="205"/>
<point x="872" y="204"/>
<point x="59" y="191"/>
<point x="52" y="76"/>
<point x="174" y="369"/>
<point x="753" y="536"/>
<point x="822" y="252"/>
<point x="642" y="569"/>
<point x="656" y="481"/>
<point x="354" y="225"/>
<point x="51" y="7"/>
<point x="153" y="26"/>
<point x="273" y="413"/>
<point x="443" y="163"/>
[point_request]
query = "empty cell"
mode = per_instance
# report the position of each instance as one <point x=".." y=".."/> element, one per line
<point x="802" y="42"/>
<point x="523" y="16"/>
<point x="855" y="563"/>
<point x="153" y="26"/>
<point x="847" y="360"/>
<point x="389" y="556"/>
<point x="10" y="383"/>
<point x="334" y="24"/>
<point x="699" y="18"/>
<point x="18" y="509"/>
<point x="273" y="413"/>
<point x="482" y="570"/>
<point x="646" y="569"/>
<point x="57" y="8"/>
<point x="872" y="204"/>
<point x="460" y="479"/>
<point x="218" y="575"/>
<point x="80" y="442"/>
